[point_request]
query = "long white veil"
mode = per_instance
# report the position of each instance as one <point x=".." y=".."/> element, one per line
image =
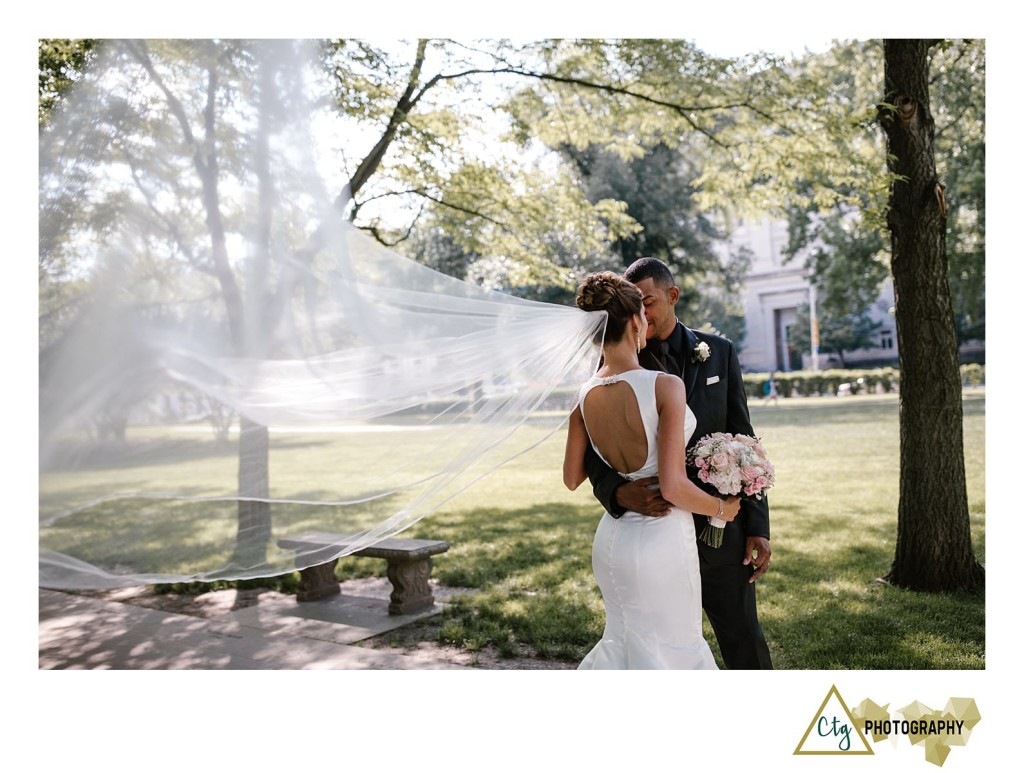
<point x="225" y="362"/>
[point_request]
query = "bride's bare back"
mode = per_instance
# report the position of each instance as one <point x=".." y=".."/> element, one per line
<point x="616" y="428"/>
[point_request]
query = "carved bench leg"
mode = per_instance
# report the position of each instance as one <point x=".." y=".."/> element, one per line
<point x="318" y="582"/>
<point x="410" y="586"/>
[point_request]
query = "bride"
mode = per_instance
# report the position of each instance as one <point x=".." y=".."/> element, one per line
<point x="646" y="567"/>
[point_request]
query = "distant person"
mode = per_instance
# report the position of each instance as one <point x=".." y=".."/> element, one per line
<point x="771" y="391"/>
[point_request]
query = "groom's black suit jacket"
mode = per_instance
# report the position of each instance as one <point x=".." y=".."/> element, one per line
<point x="715" y="394"/>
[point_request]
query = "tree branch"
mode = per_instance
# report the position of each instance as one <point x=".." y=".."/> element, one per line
<point x="399" y="115"/>
<point x="206" y="168"/>
<point x="173" y="231"/>
<point x="140" y="51"/>
<point x="380" y="238"/>
<point x="412" y="96"/>
<point x="682" y="110"/>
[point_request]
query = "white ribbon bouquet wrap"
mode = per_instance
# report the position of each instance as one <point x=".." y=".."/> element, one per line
<point x="735" y="465"/>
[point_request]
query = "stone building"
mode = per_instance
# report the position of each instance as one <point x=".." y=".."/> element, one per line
<point x="773" y="293"/>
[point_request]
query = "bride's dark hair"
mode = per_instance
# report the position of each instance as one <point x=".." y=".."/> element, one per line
<point x="607" y="291"/>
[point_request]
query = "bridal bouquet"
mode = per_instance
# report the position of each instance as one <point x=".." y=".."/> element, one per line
<point x="734" y="465"/>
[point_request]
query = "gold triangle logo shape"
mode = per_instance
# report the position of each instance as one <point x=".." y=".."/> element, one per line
<point x="829" y="734"/>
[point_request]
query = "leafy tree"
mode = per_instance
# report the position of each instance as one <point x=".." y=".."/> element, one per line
<point x="838" y="334"/>
<point x="424" y="156"/>
<point x="61" y="61"/>
<point x="848" y="264"/>
<point x="769" y="128"/>
<point x="831" y="156"/>
<point x="442" y="126"/>
<point x="957" y="82"/>
<point x="439" y="164"/>
<point x="933" y="540"/>
<point x="828" y="152"/>
<point x="715" y="304"/>
<point x="600" y="103"/>
<point x="657" y="189"/>
<point x="185" y="257"/>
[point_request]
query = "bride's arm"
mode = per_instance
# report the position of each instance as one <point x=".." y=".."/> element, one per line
<point x="675" y="486"/>
<point x="573" y="472"/>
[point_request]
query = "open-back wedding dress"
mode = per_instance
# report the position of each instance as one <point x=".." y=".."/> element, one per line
<point x="647" y="567"/>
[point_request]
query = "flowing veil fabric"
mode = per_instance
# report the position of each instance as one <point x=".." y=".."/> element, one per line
<point x="224" y="361"/>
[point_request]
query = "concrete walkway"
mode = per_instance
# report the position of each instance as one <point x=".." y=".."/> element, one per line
<point x="77" y="632"/>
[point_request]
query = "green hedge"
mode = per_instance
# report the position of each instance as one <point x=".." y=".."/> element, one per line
<point x="806" y="383"/>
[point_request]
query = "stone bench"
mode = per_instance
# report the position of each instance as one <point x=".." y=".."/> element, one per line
<point x="408" y="568"/>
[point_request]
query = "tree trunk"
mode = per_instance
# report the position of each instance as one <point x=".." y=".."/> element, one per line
<point x="254" y="525"/>
<point x="933" y="539"/>
<point x="254" y="512"/>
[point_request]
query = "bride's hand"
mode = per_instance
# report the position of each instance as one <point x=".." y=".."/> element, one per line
<point x="731" y="509"/>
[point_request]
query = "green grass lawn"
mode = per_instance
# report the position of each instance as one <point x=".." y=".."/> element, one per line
<point x="524" y="542"/>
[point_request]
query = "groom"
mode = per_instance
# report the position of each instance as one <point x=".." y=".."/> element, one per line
<point x="710" y="369"/>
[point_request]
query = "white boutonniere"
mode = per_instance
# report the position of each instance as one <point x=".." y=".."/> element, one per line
<point x="701" y="352"/>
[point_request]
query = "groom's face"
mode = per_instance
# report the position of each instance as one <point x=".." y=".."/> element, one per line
<point x="659" y="308"/>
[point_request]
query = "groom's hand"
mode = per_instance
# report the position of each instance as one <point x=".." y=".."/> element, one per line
<point x="640" y="497"/>
<point x="758" y="554"/>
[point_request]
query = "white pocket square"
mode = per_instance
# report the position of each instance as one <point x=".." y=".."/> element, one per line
<point x="712" y="380"/>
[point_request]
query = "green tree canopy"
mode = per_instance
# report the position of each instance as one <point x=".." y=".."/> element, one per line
<point x="848" y="261"/>
<point x="631" y="116"/>
<point x="958" y="88"/>
<point x="61" y="60"/>
<point x="658" y="191"/>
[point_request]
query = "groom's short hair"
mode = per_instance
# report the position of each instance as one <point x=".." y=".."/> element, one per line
<point x="650" y="268"/>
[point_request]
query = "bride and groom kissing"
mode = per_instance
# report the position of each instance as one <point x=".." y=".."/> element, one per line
<point x="628" y="435"/>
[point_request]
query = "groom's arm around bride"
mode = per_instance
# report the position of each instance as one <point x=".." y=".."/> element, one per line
<point x="710" y="369"/>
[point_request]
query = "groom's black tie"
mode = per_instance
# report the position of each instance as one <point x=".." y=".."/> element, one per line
<point x="668" y="360"/>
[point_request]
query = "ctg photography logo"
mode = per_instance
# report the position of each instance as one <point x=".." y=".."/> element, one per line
<point x="837" y="729"/>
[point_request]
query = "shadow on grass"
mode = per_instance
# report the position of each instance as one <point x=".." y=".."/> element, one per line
<point x="820" y="608"/>
<point x="191" y="538"/>
<point x="829" y="611"/>
<point x="536" y="594"/>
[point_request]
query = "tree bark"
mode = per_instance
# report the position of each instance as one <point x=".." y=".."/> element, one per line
<point x="255" y="520"/>
<point x="933" y="540"/>
<point x="254" y="523"/>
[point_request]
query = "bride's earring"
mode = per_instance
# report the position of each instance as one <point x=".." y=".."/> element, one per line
<point x="638" y="342"/>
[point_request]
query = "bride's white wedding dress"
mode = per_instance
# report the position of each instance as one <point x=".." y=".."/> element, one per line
<point x="647" y="567"/>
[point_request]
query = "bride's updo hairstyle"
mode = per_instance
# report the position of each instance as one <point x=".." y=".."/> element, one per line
<point x="607" y="291"/>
